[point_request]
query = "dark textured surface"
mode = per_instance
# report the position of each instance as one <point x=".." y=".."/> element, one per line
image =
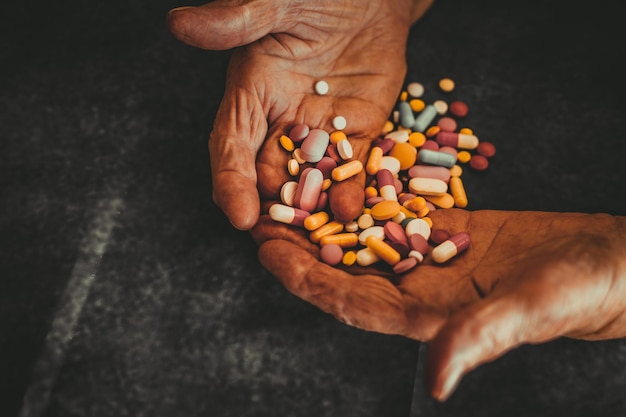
<point x="124" y="290"/>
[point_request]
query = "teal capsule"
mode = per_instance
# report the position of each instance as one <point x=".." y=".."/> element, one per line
<point x="407" y="119"/>
<point x="443" y="159"/>
<point x="425" y="118"/>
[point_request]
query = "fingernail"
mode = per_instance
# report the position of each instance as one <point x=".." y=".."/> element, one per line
<point x="178" y="9"/>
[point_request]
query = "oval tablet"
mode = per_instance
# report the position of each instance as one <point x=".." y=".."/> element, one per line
<point x="385" y="210"/>
<point x="427" y="186"/>
<point x="314" y="146"/>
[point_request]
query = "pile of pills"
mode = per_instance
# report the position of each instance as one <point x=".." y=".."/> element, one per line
<point x="413" y="168"/>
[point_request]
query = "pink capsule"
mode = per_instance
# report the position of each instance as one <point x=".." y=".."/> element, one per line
<point x="288" y="215"/>
<point x="386" y="185"/>
<point x="457" y="140"/>
<point x="456" y="244"/>
<point x="309" y="189"/>
<point x="430" y="171"/>
<point x="384" y="144"/>
<point x="314" y="145"/>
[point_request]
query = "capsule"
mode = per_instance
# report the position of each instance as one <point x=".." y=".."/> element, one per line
<point x="316" y="220"/>
<point x="458" y="192"/>
<point x="347" y="170"/>
<point x="288" y="215"/>
<point x="383" y="250"/>
<point x="345" y="240"/>
<point x="407" y="118"/>
<point x="386" y="185"/>
<point x="431" y="157"/>
<point x="430" y="171"/>
<point x="374" y="159"/>
<point x="456" y="244"/>
<point x="425" y="118"/>
<point x="329" y="228"/>
<point x="457" y="140"/>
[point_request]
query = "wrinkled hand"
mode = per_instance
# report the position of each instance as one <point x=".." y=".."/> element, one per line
<point x="528" y="277"/>
<point x="358" y="47"/>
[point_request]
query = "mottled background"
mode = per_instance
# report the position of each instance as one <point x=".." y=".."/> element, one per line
<point x="125" y="292"/>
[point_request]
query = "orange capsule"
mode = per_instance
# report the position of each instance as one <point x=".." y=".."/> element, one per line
<point x="383" y="250"/>
<point x="374" y="160"/>
<point x="329" y="228"/>
<point x="347" y="170"/>
<point x="345" y="240"/>
<point x="458" y="192"/>
<point x="316" y="220"/>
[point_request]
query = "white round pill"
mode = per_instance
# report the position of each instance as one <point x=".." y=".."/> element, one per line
<point x="415" y="89"/>
<point x="339" y="122"/>
<point x="321" y="87"/>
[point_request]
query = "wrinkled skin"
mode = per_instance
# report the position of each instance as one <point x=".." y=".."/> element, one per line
<point x="528" y="277"/>
<point x="357" y="47"/>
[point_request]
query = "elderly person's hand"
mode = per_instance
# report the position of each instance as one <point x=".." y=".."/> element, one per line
<point x="527" y="277"/>
<point x="282" y="49"/>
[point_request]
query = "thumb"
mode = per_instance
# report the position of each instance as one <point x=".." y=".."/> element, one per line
<point x="224" y="24"/>
<point x="487" y="330"/>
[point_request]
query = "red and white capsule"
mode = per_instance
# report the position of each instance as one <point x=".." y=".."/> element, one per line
<point x="457" y="140"/>
<point x="288" y="215"/>
<point x="455" y="244"/>
<point x="386" y="184"/>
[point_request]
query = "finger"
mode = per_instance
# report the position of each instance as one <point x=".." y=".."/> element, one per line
<point x="237" y="134"/>
<point x="366" y="301"/>
<point x="535" y="309"/>
<point x="222" y="24"/>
